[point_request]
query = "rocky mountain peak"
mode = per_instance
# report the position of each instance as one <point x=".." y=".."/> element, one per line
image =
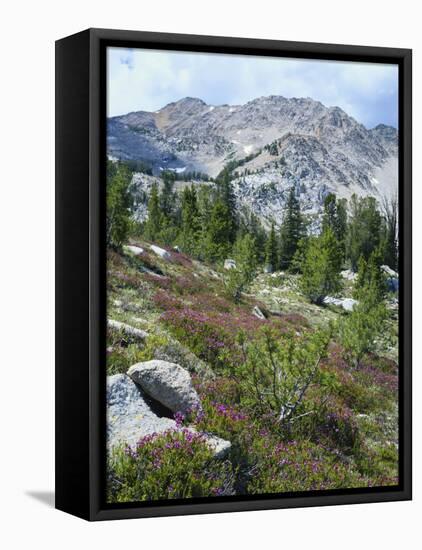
<point x="277" y="142"/>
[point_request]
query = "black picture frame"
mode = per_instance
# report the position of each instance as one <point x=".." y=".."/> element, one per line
<point x="80" y="271"/>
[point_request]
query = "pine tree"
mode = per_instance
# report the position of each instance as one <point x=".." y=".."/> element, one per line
<point x="271" y="249"/>
<point x="153" y="224"/>
<point x="321" y="268"/>
<point x="168" y="196"/>
<point x="371" y="279"/>
<point x="292" y="230"/>
<point x="391" y="233"/>
<point x="190" y="230"/>
<point x="365" y="229"/>
<point x="227" y="197"/>
<point x="239" y="278"/>
<point x="359" y="329"/>
<point x="335" y="217"/>
<point x="119" y="204"/>
<point x="218" y="237"/>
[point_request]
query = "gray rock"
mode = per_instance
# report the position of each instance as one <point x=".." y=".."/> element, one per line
<point x="268" y="268"/>
<point x="160" y="252"/>
<point x="390" y="272"/>
<point x="346" y="303"/>
<point x="135" y="250"/>
<point x="168" y="383"/>
<point x="129" y="417"/>
<point x="258" y="313"/>
<point x="135" y="333"/>
<point x="392" y="278"/>
<point x="349" y="275"/>
<point x="219" y="446"/>
<point x="229" y="264"/>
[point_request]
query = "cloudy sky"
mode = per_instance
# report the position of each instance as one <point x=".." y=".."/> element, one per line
<point x="149" y="79"/>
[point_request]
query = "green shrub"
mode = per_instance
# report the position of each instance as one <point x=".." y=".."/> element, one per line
<point x="278" y="370"/>
<point x="176" y="464"/>
<point x="121" y="354"/>
<point x="359" y="329"/>
<point x="321" y="267"/>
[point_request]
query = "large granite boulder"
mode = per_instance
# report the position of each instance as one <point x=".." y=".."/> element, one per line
<point x="168" y="383"/>
<point x="129" y="416"/>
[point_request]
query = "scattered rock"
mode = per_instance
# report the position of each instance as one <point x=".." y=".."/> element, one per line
<point x="151" y="272"/>
<point x="258" y="313"/>
<point x="219" y="446"/>
<point x="349" y="275"/>
<point x="390" y="272"/>
<point x="135" y="250"/>
<point x="392" y="278"/>
<point x="165" y="254"/>
<point x="393" y="284"/>
<point x="346" y="303"/>
<point x="168" y="383"/>
<point x="135" y="333"/>
<point x="229" y="264"/>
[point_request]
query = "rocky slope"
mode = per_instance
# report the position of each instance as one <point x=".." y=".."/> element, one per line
<point x="273" y="143"/>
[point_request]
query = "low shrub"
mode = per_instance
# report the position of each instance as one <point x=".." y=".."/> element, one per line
<point x="121" y="357"/>
<point x="298" y="466"/>
<point x="176" y="464"/>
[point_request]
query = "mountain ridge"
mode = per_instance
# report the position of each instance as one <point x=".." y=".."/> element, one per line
<point x="278" y="141"/>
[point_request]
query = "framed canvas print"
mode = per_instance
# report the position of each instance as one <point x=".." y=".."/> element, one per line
<point x="233" y="274"/>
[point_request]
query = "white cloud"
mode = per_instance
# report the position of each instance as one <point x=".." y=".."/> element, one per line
<point x="149" y="79"/>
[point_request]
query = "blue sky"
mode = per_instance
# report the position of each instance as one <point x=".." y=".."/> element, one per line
<point x="149" y="79"/>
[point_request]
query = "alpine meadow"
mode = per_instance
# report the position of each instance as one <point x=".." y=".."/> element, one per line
<point x="252" y="277"/>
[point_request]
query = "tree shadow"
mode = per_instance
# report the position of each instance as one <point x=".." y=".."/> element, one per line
<point x="45" y="497"/>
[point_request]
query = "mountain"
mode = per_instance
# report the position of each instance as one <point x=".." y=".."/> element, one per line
<point x="272" y="143"/>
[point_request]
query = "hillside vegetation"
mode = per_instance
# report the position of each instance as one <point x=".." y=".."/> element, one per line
<point x="290" y="337"/>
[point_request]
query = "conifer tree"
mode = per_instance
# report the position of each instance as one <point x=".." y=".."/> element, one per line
<point x="239" y="278"/>
<point x="391" y="233"/>
<point x="271" y="249"/>
<point x="154" y="221"/>
<point x="370" y="281"/>
<point x="218" y="237"/>
<point x="227" y="197"/>
<point x="365" y="229"/>
<point x="292" y="230"/>
<point x="119" y="204"/>
<point x="335" y="217"/>
<point x="321" y="267"/>
<point x="168" y="196"/>
<point x="190" y="230"/>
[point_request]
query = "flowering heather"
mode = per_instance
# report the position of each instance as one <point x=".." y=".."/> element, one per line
<point x="160" y="281"/>
<point x="175" y="464"/>
<point x="298" y="466"/>
<point x="165" y="301"/>
<point x="122" y="280"/>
